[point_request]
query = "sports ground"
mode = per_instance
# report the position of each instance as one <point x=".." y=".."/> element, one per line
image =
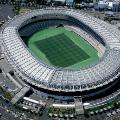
<point x="62" y="48"/>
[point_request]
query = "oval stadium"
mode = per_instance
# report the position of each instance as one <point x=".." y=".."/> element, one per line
<point x="64" y="53"/>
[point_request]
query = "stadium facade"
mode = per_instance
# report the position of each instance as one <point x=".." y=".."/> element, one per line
<point x="88" y="82"/>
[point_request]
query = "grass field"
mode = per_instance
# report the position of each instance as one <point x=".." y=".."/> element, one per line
<point x="62" y="48"/>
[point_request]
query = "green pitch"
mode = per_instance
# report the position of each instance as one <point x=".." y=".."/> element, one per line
<point x="62" y="48"/>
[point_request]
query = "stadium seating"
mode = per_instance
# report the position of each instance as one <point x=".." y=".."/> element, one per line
<point x="41" y="75"/>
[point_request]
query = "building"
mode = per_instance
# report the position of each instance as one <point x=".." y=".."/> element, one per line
<point x="33" y="105"/>
<point x="101" y="5"/>
<point x="70" y="3"/>
<point x="116" y="6"/>
<point x="110" y="5"/>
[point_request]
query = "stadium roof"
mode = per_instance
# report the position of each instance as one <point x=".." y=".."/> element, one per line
<point x="40" y="75"/>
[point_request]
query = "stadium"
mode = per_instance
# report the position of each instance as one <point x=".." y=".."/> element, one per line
<point x="63" y="52"/>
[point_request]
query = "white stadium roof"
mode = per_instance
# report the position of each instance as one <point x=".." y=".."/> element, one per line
<point x="40" y="75"/>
